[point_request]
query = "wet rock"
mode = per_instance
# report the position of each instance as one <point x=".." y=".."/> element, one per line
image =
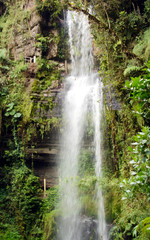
<point x="29" y="4"/>
<point x="52" y="50"/>
<point x="112" y="99"/>
<point x="87" y="225"/>
<point x="34" y="20"/>
<point x="89" y="229"/>
<point x="53" y="46"/>
<point x="31" y="71"/>
<point x="46" y="154"/>
<point x="45" y="158"/>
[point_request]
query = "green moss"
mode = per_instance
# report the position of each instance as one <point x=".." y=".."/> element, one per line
<point x="112" y="197"/>
<point x="27" y="106"/>
<point x="89" y="206"/>
<point x="29" y="133"/>
<point x="50" y="228"/>
<point x="87" y="194"/>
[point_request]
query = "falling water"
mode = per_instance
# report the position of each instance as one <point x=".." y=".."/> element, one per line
<point x="83" y="91"/>
<point x="97" y="111"/>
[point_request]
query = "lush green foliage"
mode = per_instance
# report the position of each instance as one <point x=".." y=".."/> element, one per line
<point x="86" y="164"/>
<point x="43" y="42"/>
<point x="140" y="94"/>
<point x="49" y="9"/>
<point x="142" y="48"/>
<point x="132" y="212"/>
<point x="51" y="212"/>
<point x="122" y="40"/>
<point x="140" y="166"/>
<point x="87" y="185"/>
<point x="135" y="181"/>
<point x="144" y="228"/>
<point x="20" y="203"/>
<point x="22" y="119"/>
<point x="52" y="199"/>
<point x="50" y="227"/>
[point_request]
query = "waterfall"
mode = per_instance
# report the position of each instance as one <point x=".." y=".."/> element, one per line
<point x="83" y="94"/>
<point x="97" y="110"/>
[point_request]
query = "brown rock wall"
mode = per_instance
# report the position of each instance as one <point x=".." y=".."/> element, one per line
<point x="29" y="4"/>
<point x="24" y="41"/>
<point x="45" y="159"/>
<point x="24" y="44"/>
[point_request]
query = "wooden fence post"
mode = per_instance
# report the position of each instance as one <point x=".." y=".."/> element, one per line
<point x="44" y="187"/>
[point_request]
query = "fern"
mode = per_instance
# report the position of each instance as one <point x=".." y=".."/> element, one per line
<point x="143" y="47"/>
<point x="131" y="70"/>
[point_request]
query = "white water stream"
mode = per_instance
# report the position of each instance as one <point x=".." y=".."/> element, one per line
<point x="83" y="92"/>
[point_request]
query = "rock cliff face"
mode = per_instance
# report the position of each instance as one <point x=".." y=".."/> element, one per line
<point x="33" y="37"/>
<point x="24" y="44"/>
<point x="24" y="36"/>
<point x="24" y="41"/>
<point x="45" y="157"/>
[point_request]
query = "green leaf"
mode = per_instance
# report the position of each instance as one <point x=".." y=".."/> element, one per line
<point x="12" y="112"/>
<point x="7" y="114"/>
<point x="10" y="106"/>
<point x="134" y="232"/>
<point x="127" y="84"/>
<point x="146" y="221"/>
<point x="130" y="148"/>
<point x="17" y="115"/>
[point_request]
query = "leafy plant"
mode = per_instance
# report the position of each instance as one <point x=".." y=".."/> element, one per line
<point x="50" y="225"/>
<point x="140" y="94"/>
<point x="25" y="198"/>
<point x="12" y="234"/>
<point x="87" y="195"/>
<point x="43" y="42"/>
<point x="49" y="9"/>
<point x="20" y="203"/>
<point x="143" y="46"/>
<point x="51" y="201"/>
<point x="18" y="69"/>
<point x="86" y="164"/>
<point x="10" y="111"/>
<point x="143" y="228"/>
<point x="130" y="70"/>
<point x="140" y="166"/>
